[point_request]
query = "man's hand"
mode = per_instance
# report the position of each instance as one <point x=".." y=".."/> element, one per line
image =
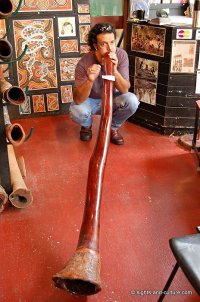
<point x="93" y="72"/>
<point x="114" y="60"/>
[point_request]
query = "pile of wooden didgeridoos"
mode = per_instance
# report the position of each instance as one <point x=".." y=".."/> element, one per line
<point x="15" y="135"/>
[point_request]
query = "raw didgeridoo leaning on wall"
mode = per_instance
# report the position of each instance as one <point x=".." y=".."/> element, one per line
<point x="81" y="275"/>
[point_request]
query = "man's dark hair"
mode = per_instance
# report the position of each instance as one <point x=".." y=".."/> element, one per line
<point x="97" y="29"/>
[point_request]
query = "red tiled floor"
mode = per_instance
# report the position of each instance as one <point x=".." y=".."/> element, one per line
<point x="150" y="193"/>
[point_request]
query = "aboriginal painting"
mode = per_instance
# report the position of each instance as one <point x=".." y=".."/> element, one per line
<point x="52" y="42"/>
<point x="37" y="70"/>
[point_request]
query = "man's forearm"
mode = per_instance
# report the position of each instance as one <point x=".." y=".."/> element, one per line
<point x="81" y="93"/>
<point x="120" y="83"/>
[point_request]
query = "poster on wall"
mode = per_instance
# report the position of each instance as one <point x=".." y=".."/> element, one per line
<point x="145" y="80"/>
<point x="52" y="101"/>
<point x="46" y="5"/>
<point x="83" y="8"/>
<point x="68" y="46"/>
<point x="84" y="18"/>
<point x="38" y="103"/>
<point x="37" y="69"/>
<point x="67" y="68"/>
<point x="25" y="107"/>
<point x="183" y="56"/>
<point x="84" y="31"/>
<point x="66" y="27"/>
<point x="84" y="48"/>
<point x="148" y="39"/>
<point x="66" y="93"/>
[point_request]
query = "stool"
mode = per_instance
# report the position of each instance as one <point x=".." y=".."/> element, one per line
<point x="196" y="135"/>
<point x="186" y="250"/>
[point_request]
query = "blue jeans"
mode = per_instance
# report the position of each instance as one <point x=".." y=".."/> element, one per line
<point x="124" y="105"/>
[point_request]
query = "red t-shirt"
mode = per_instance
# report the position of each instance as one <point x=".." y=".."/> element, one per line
<point x="89" y="59"/>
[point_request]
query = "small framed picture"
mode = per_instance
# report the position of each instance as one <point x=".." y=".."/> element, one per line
<point x="52" y="101"/>
<point x="66" y="27"/>
<point x="38" y="103"/>
<point x="66" y="94"/>
<point x="68" y="46"/>
<point x="183" y="56"/>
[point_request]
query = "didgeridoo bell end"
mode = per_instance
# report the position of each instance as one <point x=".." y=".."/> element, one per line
<point x="81" y="275"/>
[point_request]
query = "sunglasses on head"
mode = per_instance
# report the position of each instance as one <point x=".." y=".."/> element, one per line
<point x="105" y="28"/>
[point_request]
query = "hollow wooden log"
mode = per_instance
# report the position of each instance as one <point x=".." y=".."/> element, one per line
<point x="6" y="8"/>
<point x="15" y="134"/>
<point x="21" y="197"/>
<point x="12" y="94"/>
<point x="6" y="50"/>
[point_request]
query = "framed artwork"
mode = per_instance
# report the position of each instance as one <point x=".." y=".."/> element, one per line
<point x="183" y="56"/>
<point x="148" y="39"/>
<point x="38" y="5"/>
<point x="52" y="101"/>
<point x="25" y="107"/>
<point x="66" y="27"/>
<point x="83" y="8"/>
<point x="37" y="68"/>
<point x="84" y="31"/>
<point x="68" y="46"/>
<point x="84" y="18"/>
<point x="67" y="68"/>
<point x="38" y="103"/>
<point x="145" y="80"/>
<point x="84" y="48"/>
<point x="66" y="94"/>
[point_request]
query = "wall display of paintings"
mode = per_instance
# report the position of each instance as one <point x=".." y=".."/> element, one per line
<point x="66" y="94"/>
<point x="37" y="70"/>
<point x="183" y="56"/>
<point x="54" y="34"/>
<point x="145" y="80"/>
<point x="38" y="5"/>
<point x="148" y="39"/>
